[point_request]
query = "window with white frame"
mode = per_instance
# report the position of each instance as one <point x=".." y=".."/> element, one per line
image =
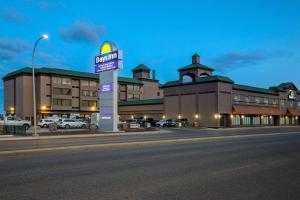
<point x="266" y="101"/>
<point x="257" y="100"/>
<point x="282" y="102"/>
<point x="247" y="99"/>
<point x="237" y="97"/>
<point x="274" y="102"/>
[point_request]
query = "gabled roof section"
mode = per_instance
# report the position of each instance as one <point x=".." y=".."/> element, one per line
<point x="207" y="79"/>
<point x="141" y="102"/>
<point x="141" y="67"/>
<point x="287" y="85"/>
<point x="253" y="89"/>
<point x="195" y="66"/>
<point x="65" y="72"/>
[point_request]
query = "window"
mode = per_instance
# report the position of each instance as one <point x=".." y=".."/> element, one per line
<point x="93" y="84"/>
<point x="62" y="102"/>
<point x="247" y="99"/>
<point x="256" y="120"/>
<point x="66" y="81"/>
<point x="56" y="80"/>
<point x="158" y="94"/>
<point x="89" y="93"/>
<point x="265" y="120"/>
<point x="282" y="102"/>
<point x="266" y="101"/>
<point x="88" y="103"/>
<point x="122" y="88"/>
<point x="236" y="98"/>
<point x="61" y="91"/>
<point x="246" y="120"/>
<point x="257" y="100"/>
<point x="299" y="104"/>
<point x="274" y="102"/>
<point x="236" y="120"/>
<point x="291" y="103"/>
<point x="84" y="83"/>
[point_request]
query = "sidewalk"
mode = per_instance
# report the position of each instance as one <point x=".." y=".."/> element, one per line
<point x="11" y="137"/>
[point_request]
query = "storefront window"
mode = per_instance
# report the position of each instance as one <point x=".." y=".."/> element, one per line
<point x="265" y="120"/>
<point x="256" y="120"/>
<point x="247" y="120"/>
<point x="236" y="120"/>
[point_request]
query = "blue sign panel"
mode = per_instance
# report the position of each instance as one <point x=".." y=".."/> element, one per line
<point x="104" y="58"/>
<point x="107" y="66"/>
<point x="106" y="87"/>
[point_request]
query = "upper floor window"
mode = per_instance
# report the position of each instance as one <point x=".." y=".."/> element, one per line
<point x="247" y="99"/>
<point x="282" y="102"/>
<point x="56" y="80"/>
<point x="291" y="103"/>
<point x="237" y="98"/>
<point x="66" y="81"/>
<point x="93" y="84"/>
<point x="298" y="103"/>
<point x="266" y="101"/>
<point x="274" y="102"/>
<point x="84" y="83"/>
<point x="62" y="91"/>
<point x="257" y="100"/>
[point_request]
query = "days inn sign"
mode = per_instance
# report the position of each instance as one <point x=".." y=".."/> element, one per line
<point x="109" y="58"/>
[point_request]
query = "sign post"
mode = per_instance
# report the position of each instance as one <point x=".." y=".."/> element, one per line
<point x="107" y="65"/>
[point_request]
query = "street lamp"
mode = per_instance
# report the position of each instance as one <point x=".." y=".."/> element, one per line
<point x="44" y="36"/>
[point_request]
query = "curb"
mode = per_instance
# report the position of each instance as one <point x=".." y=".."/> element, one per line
<point x="12" y="138"/>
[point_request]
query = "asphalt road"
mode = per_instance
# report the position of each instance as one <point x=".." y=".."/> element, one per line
<point x="265" y="167"/>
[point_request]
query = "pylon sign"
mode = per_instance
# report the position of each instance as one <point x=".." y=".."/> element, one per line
<point x="107" y="65"/>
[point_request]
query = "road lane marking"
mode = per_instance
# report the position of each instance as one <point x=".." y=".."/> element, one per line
<point x="139" y="143"/>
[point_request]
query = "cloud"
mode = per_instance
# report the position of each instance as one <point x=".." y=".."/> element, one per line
<point x="46" y="59"/>
<point x="82" y="31"/>
<point x="11" y="48"/>
<point x="12" y="15"/>
<point x="242" y="59"/>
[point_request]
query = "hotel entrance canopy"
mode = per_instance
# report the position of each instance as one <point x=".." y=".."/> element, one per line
<point x="255" y="110"/>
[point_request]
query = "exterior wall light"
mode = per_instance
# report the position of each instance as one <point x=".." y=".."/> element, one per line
<point x="196" y="116"/>
<point x="43" y="107"/>
<point x="262" y="117"/>
<point x="132" y="117"/>
<point x="179" y="116"/>
<point x="145" y="117"/>
<point x="164" y="117"/>
<point x="296" y="117"/>
<point x="271" y="117"/>
<point x="242" y="116"/>
<point x="12" y="109"/>
<point x="93" y="108"/>
<point x="286" y="117"/>
<point x="231" y="116"/>
<point x="217" y="116"/>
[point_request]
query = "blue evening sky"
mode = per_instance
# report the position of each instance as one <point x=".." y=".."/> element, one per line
<point x="255" y="42"/>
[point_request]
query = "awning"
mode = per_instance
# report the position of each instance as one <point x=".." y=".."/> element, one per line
<point x="293" y="112"/>
<point x="255" y="110"/>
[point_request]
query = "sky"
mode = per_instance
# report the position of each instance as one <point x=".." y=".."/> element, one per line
<point x="255" y="42"/>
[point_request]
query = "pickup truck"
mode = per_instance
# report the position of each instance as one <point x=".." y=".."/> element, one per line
<point x="13" y="121"/>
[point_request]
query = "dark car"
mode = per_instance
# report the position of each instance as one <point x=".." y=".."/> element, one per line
<point x="171" y="123"/>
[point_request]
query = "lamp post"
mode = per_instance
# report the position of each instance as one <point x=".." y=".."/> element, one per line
<point x="33" y="83"/>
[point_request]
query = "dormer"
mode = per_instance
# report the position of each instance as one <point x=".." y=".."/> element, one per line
<point x="141" y="71"/>
<point x="195" y="70"/>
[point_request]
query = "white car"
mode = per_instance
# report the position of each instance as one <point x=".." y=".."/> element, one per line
<point x="13" y="121"/>
<point x="161" y="123"/>
<point x="71" y="123"/>
<point x="44" y="123"/>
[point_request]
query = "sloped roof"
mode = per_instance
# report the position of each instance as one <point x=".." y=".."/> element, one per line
<point x="200" y="80"/>
<point x="141" y="67"/>
<point x="65" y="72"/>
<point x="195" y="66"/>
<point x="253" y="89"/>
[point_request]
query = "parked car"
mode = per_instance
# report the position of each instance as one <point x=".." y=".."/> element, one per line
<point x="71" y="123"/>
<point x="14" y="121"/>
<point x="171" y="123"/>
<point x="44" y="123"/>
<point x="184" y="122"/>
<point x="161" y="123"/>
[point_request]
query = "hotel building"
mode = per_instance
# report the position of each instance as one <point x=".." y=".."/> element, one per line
<point x="198" y="95"/>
